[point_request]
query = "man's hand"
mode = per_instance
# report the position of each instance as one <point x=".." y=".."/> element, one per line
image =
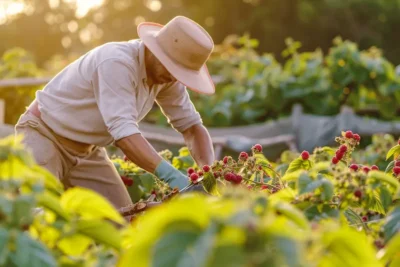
<point x="200" y="145"/>
<point x="142" y="153"/>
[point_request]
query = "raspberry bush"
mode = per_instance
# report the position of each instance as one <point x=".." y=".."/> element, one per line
<point x="303" y="210"/>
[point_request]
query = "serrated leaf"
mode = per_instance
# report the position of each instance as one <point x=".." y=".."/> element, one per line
<point x="210" y="184"/>
<point x="390" y="167"/>
<point x="385" y="178"/>
<point x="295" y="165"/>
<point x="394" y="151"/>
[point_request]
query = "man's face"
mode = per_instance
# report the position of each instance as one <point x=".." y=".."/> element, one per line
<point x="156" y="72"/>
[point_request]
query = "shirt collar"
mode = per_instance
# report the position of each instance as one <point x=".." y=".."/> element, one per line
<point x="143" y="74"/>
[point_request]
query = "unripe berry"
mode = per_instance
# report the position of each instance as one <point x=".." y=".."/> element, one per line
<point x="206" y="168"/>
<point x="335" y="160"/>
<point x="190" y="171"/>
<point x="243" y="156"/>
<point x="358" y="193"/>
<point x="343" y="148"/>
<point x="257" y="147"/>
<point x="396" y="170"/>
<point x="375" y="168"/>
<point x="194" y="176"/>
<point x="200" y="173"/>
<point x="349" y="134"/>
<point x="354" y="167"/>
<point x="305" y="155"/>
<point x="357" y="137"/>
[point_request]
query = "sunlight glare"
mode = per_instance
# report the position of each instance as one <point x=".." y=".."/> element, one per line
<point x="10" y="8"/>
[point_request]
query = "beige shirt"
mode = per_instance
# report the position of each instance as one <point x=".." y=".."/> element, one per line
<point x="102" y="96"/>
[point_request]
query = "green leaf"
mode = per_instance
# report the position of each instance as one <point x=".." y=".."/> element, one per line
<point x="292" y="213"/>
<point x="385" y="198"/>
<point x="31" y="253"/>
<point x="22" y="207"/>
<point x="89" y="205"/>
<point x="172" y="247"/>
<point x="74" y="245"/>
<point x="392" y="225"/>
<point x="385" y="178"/>
<point x="394" y="151"/>
<point x="210" y="184"/>
<point x="50" y="201"/>
<point x="391" y="251"/>
<point x="304" y="181"/>
<point x="4" y="248"/>
<point x="295" y="165"/>
<point x="147" y="181"/>
<point x="100" y="231"/>
<point x="390" y="166"/>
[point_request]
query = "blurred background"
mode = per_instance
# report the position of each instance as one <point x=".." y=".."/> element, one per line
<point x="270" y="54"/>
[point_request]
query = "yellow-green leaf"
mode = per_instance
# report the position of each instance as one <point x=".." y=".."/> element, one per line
<point x="100" y="231"/>
<point x="89" y="205"/>
<point x="74" y="245"/>
<point x="394" y="151"/>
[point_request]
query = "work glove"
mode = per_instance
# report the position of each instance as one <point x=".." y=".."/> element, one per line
<point x="171" y="175"/>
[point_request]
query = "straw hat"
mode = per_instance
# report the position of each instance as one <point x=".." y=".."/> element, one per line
<point x="183" y="47"/>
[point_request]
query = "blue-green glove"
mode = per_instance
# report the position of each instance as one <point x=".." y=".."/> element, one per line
<point x="171" y="175"/>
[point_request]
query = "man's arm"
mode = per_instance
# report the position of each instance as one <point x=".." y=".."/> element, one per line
<point x="199" y="143"/>
<point x="140" y="151"/>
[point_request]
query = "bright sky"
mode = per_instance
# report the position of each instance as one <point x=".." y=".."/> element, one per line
<point x="13" y="7"/>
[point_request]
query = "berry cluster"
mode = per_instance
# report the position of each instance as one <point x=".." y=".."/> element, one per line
<point x="348" y="141"/>
<point x="366" y="169"/>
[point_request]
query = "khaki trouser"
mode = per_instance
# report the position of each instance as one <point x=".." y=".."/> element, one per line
<point x="73" y="164"/>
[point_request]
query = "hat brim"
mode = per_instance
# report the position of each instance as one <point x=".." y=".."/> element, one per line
<point x="198" y="81"/>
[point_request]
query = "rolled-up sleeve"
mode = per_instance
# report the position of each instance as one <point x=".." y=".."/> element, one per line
<point x="114" y="90"/>
<point x="175" y="103"/>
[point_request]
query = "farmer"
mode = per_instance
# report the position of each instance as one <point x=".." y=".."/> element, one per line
<point x="100" y="98"/>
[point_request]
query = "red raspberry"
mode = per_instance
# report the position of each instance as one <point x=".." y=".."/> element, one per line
<point x="264" y="187"/>
<point x="305" y="155"/>
<point x="217" y="174"/>
<point x="349" y="134"/>
<point x="194" y="176"/>
<point x="257" y="147"/>
<point x="397" y="164"/>
<point x="358" y="193"/>
<point x="375" y="168"/>
<point x="357" y="137"/>
<point x="335" y="160"/>
<point x="229" y="176"/>
<point x="343" y="148"/>
<point x="366" y="169"/>
<point x="339" y="155"/>
<point x="226" y="159"/>
<point x="354" y="167"/>
<point x="260" y="167"/>
<point x="396" y="170"/>
<point x="200" y="173"/>
<point x="365" y="218"/>
<point x="206" y="168"/>
<point x="190" y="171"/>
<point x="238" y="179"/>
<point x="127" y="181"/>
<point x="154" y="192"/>
<point x="243" y="156"/>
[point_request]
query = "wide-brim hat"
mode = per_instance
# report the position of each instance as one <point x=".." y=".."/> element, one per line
<point x="183" y="47"/>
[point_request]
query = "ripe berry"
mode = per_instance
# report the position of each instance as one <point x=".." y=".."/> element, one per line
<point x="339" y="155"/>
<point x="397" y="164"/>
<point x="154" y="192"/>
<point x="354" y="167"/>
<point x="243" y="156"/>
<point x="238" y="179"/>
<point x="343" y="148"/>
<point x="264" y="187"/>
<point x="127" y="181"/>
<point x="206" y="168"/>
<point x="190" y="171"/>
<point x="365" y="218"/>
<point x="357" y="137"/>
<point x="225" y="159"/>
<point x="358" y="193"/>
<point x="375" y="168"/>
<point x="229" y="176"/>
<point x="335" y="160"/>
<point x="260" y="167"/>
<point x="305" y="155"/>
<point x="257" y="147"/>
<point x="194" y="176"/>
<point x="349" y="134"/>
<point x="200" y="173"/>
<point x="396" y="170"/>
<point x="379" y="244"/>
<point x="366" y="169"/>
<point x="217" y="174"/>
